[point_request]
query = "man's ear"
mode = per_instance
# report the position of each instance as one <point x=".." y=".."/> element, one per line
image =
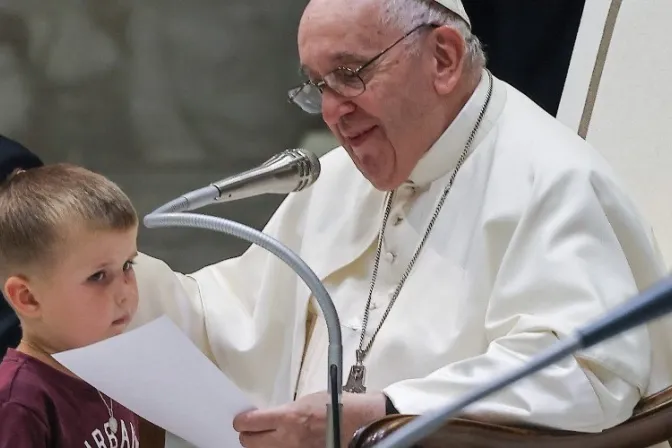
<point x="20" y="296"/>
<point x="448" y="51"/>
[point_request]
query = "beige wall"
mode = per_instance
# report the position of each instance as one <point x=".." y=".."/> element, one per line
<point x="631" y="121"/>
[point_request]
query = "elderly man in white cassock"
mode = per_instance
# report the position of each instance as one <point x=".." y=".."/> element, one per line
<point x="460" y="230"/>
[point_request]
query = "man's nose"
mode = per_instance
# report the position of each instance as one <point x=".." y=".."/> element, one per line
<point x="335" y="106"/>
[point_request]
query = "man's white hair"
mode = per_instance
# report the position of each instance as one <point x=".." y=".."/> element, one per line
<point x="407" y="14"/>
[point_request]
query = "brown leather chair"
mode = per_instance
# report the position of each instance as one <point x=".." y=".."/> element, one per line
<point x="651" y="423"/>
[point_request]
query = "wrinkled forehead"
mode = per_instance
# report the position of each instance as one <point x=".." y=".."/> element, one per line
<point x="328" y="38"/>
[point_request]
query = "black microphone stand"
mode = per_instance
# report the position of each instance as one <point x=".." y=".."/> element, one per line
<point x="170" y="215"/>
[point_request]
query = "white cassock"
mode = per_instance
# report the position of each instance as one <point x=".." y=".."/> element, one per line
<point x="535" y="238"/>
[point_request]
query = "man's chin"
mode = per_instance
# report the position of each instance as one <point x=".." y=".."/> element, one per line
<point x="385" y="186"/>
<point x="377" y="175"/>
<point x="379" y="181"/>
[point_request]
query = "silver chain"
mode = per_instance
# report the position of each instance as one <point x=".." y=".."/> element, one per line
<point x="109" y="408"/>
<point x="362" y="352"/>
<point x="112" y="422"/>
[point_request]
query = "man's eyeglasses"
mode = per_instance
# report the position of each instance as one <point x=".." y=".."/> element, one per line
<point x="344" y="81"/>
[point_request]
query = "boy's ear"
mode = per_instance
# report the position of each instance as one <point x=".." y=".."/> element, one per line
<point x="21" y="298"/>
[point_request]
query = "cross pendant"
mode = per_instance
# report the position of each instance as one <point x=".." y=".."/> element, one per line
<point x="357" y="376"/>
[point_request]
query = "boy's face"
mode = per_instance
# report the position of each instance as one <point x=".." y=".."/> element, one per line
<point x="89" y="296"/>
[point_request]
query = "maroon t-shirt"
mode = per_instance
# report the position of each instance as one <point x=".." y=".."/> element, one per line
<point x="41" y="407"/>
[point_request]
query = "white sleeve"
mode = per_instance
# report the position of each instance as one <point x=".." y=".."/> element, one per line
<point x="564" y="266"/>
<point x="240" y="312"/>
<point x="165" y="292"/>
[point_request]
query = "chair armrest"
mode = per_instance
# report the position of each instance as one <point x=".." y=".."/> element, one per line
<point x="650" y="424"/>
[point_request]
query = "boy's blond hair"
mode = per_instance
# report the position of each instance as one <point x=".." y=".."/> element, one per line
<point x="41" y="207"/>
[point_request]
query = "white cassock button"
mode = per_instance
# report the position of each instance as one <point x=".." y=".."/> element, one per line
<point x="390" y="256"/>
<point x="397" y="220"/>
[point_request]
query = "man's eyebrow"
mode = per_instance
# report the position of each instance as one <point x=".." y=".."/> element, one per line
<point x="340" y="58"/>
<point x="345" y="57"/>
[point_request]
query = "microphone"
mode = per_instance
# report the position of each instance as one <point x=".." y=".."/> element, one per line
<point x="287" y="172"/>
<point x="291" y="170"/>
<point x="651" y="304"/>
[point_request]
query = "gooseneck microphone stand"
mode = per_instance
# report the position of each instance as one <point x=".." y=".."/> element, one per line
<point x="172" y="215"/>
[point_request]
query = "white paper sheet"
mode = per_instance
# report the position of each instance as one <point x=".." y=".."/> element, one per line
<point x="156" y="372"/>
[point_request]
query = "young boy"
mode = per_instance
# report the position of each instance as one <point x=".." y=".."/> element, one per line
<point x="67" y="244"/>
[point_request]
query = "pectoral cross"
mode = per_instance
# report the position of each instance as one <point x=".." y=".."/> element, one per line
<point x="355" y="383"/>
